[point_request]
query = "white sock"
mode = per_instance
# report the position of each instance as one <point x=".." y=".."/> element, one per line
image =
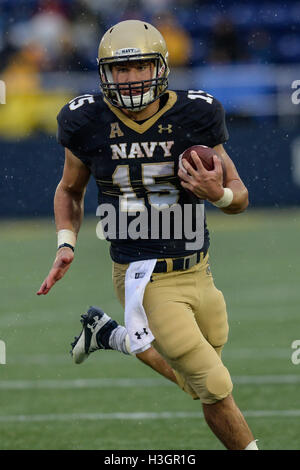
<point x="252" y="446"/>
<point x="119" y="340"/>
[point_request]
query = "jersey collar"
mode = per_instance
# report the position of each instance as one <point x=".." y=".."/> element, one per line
<point x="141" y="128"/>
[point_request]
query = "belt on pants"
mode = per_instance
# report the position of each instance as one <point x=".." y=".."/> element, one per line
<point x="178" y="264"/>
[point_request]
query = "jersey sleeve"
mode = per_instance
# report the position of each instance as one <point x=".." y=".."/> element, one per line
<point x="207" y="116"/>
<point x="68" y="132"/>
<point x="218" y="133"/>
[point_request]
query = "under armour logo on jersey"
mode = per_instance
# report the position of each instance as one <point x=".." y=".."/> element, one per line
<point x="115" y="130"/>
<point x="141" y="333"/>
<point x="167" y="129"/>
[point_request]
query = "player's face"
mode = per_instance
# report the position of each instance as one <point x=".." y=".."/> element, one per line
<point x="133" y="72"/>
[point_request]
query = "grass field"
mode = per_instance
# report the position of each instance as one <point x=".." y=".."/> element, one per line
<point x="115" y="402"/>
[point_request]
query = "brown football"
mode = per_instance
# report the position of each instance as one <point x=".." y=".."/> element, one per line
<point x="206" y="156"/>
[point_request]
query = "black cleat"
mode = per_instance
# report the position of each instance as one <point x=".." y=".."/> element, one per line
<point x="97" y="328"/>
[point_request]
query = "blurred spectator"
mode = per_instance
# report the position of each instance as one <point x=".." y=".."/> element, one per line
<point x="115" y="11"/>
<point x="48" y="28"/>
<point x="29" y="108"/>
<point x="132" y="11"/>
<point x="260" y="46"/>
<point x="69" y="30"/>
<point x="22" y="72"/>
<point x="226" y="44"/>
<point x="81" y="49"/>
<point x="54" y="6"/>
<point x="107" y="7"/>
<point x="178" y="39"/>
<point x="156" y="6"/>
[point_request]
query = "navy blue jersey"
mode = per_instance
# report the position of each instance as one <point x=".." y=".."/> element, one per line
<point x="135" y="167"/>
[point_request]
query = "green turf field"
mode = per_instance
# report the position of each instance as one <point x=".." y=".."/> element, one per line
<point x="115" y="402"/>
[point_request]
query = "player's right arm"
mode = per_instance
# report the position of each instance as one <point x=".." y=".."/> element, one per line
<point x="68" y="210"/>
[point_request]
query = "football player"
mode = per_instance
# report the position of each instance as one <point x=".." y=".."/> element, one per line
<point x="130" y="138"/>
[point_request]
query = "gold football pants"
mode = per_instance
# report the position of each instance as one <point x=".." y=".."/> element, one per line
<point x="187" y="316"/>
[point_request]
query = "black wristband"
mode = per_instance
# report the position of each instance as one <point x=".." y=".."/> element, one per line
<point x="66" y="244"/>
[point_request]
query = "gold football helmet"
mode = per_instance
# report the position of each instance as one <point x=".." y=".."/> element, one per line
<point x="133" y="40"/>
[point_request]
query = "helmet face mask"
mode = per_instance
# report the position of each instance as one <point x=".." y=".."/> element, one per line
<point x="146" y="45"/>
<point x="123" y="94"/>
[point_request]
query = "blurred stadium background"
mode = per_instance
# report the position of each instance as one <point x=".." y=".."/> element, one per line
<point x="247" y="54"/>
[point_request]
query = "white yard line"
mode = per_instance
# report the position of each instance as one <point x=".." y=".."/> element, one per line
<point x="137" y="382"/>
<point x="228" y="354"/>
<point x="266" y="379"/>
<point x="80" y="383"/>
<point x="138" y="416"/>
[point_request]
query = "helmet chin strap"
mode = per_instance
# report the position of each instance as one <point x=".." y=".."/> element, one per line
<point x="127" y="100"/>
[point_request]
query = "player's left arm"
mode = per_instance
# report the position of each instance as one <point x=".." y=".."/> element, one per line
<point x="233" y="181"/>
